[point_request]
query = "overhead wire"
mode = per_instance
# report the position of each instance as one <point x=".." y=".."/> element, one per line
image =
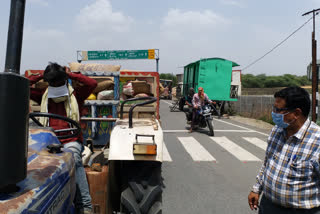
<point x="260" y="58"/>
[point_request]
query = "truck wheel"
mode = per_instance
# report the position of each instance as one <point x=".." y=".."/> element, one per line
<point x="210" y="126"/>
<point x="143" y="192"/>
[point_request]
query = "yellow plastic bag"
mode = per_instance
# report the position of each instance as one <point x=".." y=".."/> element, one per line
<point x="92" y="97"/>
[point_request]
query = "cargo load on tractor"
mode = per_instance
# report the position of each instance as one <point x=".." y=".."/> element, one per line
<point x="123" y="135"/>
<point x="123" y="140"/>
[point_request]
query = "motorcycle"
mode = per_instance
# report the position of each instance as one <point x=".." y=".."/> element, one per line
<point x="203" y="118"/>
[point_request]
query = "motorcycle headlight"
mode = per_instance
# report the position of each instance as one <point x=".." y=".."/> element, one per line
<point x="207" y="109"/>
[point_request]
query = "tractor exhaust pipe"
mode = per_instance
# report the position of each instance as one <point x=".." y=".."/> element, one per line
<point x="14" y="105"/>
<point x="15" y="35"/>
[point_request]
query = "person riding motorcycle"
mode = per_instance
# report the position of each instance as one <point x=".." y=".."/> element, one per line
<point x="199" y="99"/>
<point x="188" y="102"/>
<point x="190" y="97"/>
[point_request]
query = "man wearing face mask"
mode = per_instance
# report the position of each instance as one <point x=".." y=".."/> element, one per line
<point x="290" y="175"/>
<point x="62" y="99"/>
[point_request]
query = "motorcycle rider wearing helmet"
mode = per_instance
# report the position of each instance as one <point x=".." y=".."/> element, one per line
<point x="199" y="99"/>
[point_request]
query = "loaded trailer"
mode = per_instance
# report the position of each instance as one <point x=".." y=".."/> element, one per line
<point x="214" y="75"/>
<point x="122" y="135"/>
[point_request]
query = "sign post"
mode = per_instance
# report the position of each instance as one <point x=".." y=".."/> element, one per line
<point x="315" y="77"/>
<point x="119" y="55"/>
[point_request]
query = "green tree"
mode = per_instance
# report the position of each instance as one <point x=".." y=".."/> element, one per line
<point x="250" y="81"/>
<point x="261" y="78"/>
<point x="263" y="81"/>
<point x="304" y="80"/>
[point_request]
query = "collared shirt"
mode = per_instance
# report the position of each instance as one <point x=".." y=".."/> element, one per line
<point x="196" y="101"/>
<point x="290" y="174"/>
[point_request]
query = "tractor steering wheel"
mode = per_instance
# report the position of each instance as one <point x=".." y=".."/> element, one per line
<point x="75" y="131"/>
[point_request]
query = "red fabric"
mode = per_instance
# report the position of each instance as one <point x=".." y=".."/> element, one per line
<point x="81" y="93"/>
<point x="29" y="73"/>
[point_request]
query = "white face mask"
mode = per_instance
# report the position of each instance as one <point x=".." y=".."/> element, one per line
<point x="61" y="91"/>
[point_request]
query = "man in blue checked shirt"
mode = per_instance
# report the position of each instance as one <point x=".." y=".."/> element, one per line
<point x="289" y="179"/>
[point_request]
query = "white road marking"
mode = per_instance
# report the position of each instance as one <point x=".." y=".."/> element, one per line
<point x="242" y="127"/>
<point x="174" y="131"/>
<point x="237" y="151"/>
<point x="166" y="155"/>
<point x="220" y="120"/>
<point x="166" y="102"/>
<point x="261" y="133"/>
<point x="195" y="149"/>
<point x="257" y="142"/>
<point x="182" y="131"/>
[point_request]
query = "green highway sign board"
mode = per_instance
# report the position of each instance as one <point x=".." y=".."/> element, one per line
<point x="118" y="54"/>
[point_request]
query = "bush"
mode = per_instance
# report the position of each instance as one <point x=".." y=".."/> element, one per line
<point x="263" y="81"/>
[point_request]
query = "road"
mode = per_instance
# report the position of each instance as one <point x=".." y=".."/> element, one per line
<point x="203" y="174"/>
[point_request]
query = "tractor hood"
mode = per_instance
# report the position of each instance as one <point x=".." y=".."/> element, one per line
<point x="49" y="186"/>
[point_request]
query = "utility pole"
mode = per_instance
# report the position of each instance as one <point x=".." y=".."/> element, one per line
<point x="315" y="94"/>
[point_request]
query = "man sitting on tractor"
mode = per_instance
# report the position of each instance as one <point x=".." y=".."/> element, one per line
<point x="60" y="98"/>
<point x="199" y="99"/>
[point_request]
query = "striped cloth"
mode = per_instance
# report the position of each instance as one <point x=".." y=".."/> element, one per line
<point x="290" y="174"/>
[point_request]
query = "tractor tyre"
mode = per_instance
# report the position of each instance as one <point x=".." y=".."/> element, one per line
<point x="142" y="194"/>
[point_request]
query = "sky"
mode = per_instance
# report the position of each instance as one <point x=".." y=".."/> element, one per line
<point x="184" y="31"/>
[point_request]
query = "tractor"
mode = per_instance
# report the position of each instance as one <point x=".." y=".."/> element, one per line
<point x="38" y="174"/>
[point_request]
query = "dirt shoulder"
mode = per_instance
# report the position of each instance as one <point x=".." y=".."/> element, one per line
<point x="252" y="122"/>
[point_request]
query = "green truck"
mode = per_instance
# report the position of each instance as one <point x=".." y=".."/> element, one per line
<point x="213" y="74"/>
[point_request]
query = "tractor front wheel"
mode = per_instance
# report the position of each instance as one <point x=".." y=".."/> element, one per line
<point x="142" y="192"/>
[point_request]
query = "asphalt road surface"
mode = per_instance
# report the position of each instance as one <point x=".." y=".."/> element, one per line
<point x="203" y="174"/>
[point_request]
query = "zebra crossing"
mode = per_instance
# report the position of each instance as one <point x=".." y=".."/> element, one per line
<point x="198" y="152"/>
<point x="195" y="149"/>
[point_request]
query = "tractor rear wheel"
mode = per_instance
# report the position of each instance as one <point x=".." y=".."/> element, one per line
<point x="142" y="193"/>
